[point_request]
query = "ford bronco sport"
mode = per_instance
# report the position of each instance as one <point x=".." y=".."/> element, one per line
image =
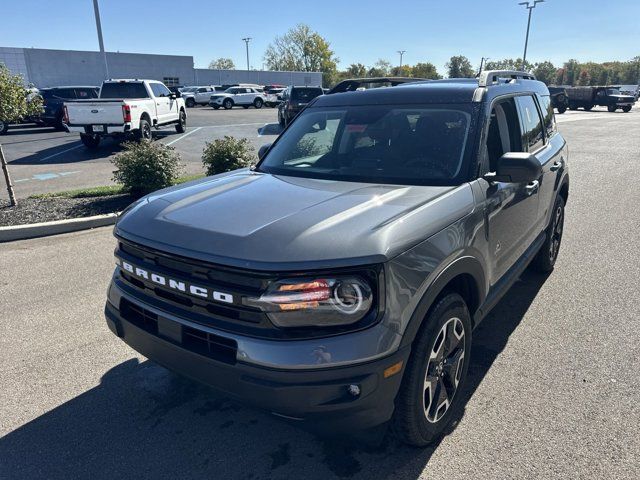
<point x="338" y="282"/>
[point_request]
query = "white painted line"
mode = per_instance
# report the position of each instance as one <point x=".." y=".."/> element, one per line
<point x="183" y="136"/>
<point x="236" y="125"/>
<point x="59" y="153"/>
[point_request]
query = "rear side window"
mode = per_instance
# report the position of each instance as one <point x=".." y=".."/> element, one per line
<point x="64" y="93"/>
<point x="86" y="93"/>
<point x="549" y="119"/>
<point x="124" y="90"/>
<point x="159" y="90"/>
<point x="305" y="95"/>
<point x="532" y="135"/>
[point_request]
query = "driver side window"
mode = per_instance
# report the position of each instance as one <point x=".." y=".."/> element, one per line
<point x="503" y="135"/>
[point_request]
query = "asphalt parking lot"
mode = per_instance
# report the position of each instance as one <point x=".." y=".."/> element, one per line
<point x="553" y="389"/>
<point x="43" y="160"/>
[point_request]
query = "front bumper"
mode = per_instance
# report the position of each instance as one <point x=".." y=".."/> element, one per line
<point x="319" y="397"/>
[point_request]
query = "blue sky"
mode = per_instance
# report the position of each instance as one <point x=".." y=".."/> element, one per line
<point x="359" y="31"/>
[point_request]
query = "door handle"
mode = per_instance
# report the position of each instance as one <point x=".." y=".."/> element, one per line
<point x="532" y="187"/>
<point x="556" y="166"/>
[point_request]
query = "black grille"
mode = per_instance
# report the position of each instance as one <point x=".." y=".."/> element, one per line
<point x="139" y="316"/>
<point x="210" y="345"/>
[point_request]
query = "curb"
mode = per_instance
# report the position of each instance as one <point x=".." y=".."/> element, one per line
<point x="44" y="229"/>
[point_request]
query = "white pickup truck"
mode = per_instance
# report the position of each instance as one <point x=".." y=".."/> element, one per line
<point x="125" y="107"/>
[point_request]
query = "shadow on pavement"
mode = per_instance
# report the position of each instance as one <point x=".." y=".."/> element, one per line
<point x="270" y="129"/>
<point x="142" y="421"/>
<point x="79" y="153"/>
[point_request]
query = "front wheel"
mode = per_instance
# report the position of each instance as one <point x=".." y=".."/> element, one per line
<point x="546" y="257"/>
<point x="4" y="126"/>
<point x="611" y="108"/>
<point x="562" y="109"/>
<point x="257" y="103"/>
<point x="181" y="126"/>
<point x="626" y="108"/>
<point x="429" y="397"/>
<point x="227" y="104"/>
<point x="190" y="103"/>
<point x="90" y="141"/>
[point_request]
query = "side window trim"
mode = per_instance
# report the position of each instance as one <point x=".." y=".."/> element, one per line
<point x="522" y="125"/>
<point x="483" y="164"/>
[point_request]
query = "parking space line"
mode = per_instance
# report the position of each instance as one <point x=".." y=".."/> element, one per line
<point x="59" y="153"/>
<point x="236" y="125"/>
<point x="183" y="136"/>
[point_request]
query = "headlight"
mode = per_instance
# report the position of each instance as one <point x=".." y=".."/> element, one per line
<point x="315" y="301"/>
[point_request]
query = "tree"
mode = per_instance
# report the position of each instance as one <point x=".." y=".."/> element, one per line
<point x="302" y="49"/>
<point x="508" y="64"/>
<point x="222" y="64"/>
<point x="15" y="101"/>
<point x="403" y="71"/>
<point x="545" y="72"/>
<point x="571" y="72"/>
<point x="459" y="67"/>
<point x="584" y="78"/>
<point x="425" y="70"/>
<point x="381" y="68"/>
<point x="356" y="70"/>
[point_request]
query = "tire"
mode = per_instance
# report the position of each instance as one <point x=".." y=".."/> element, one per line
<point x="626" y="108"/>
<point x="280" y="118"/>
<point x="4" y="127"/>
<point x="59" y="124"/>
<point x="245" y="106"/>
<point x="573" y="107"/>
<point x="587" y="108"/>
<point x="181" y="126"/>
<point x="445" y="335"/>
<point x="190" y="103"/>
<point x="546" y="257"/>
<point x="216" y="107"/>
<point x="562" y="109"/>
<point x="90" y="141"/>
<point x="611" y="108"/>
<point x="258" y="102"/>
<point x="227" y="104"/>
<point x="144" y="132"/>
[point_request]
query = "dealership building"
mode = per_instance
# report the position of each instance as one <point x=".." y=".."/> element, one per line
<point x="49" y="68"/>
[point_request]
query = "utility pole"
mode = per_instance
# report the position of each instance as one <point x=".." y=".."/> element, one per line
<point x="246" y="43"/>
<point x="401" y="52"/>
<point x="529" y="6"/>
<point x="96" y="10"/>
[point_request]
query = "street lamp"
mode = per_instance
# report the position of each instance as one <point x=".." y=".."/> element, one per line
<point x="401" y="52"/>
<point x="529" y="6"/>
<point x="96" y="12"/>
<point x="246" y="41"/>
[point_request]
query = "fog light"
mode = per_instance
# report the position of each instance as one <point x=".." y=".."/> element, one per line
<point x="354" y="390"/>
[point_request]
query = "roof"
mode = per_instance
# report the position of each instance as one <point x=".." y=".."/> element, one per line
<point x="68" y="86"/>
<point x="451" y="90"/>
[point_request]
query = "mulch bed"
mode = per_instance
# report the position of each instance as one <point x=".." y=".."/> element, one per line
<point x="34" y="210"/>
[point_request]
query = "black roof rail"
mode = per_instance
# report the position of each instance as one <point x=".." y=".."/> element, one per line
<point x="490" y="77"/>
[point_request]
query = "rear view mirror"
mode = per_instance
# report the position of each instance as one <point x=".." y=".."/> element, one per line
<point x="516" y="167"/>
<point x="263" y="150"/>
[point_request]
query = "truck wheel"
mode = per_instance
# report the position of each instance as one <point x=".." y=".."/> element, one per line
<point x="144" y="132"/>
<point x="429" y="397"/>
<point x="562" y="109"/>
<point x="90" y="141"/>
<point x="587" y="108"/>
<point x="258" y="103"/>
<point x="280" y="118"/>
<point x="4" y="126"/>
<point x="612" y="108"/>
<point x="181" y="126"/>
<point x="626" y="108"/>
<point x="59" y="124"/>
<point x="546" y="257"/>
<point x="227" y="104"/>
<point x="573" y="107"/>
<point x="190" y="103"/>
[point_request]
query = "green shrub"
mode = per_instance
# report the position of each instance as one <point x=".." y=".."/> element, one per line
<point x="146" y="166"/>
<point x="229" y="153"/>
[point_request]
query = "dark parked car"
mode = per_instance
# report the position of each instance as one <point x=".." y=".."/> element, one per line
<point x="293" y="100"/>
<point x="53" y="100"/>
<point x="353" y="84"/>
<point x="559" y="98"/>
<point x="588" y="97"/>
<point x="338" y="282"/>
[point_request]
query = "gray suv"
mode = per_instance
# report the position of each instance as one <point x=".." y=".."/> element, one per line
<point x="337" y="283"/>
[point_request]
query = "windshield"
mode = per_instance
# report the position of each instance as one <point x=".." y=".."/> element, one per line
<point x="123" y="90"/>
<point x="188" y="89"/>
<point x="418" y="145"/>
<point x="305" y="95"/>
<point x="613" y="91"/>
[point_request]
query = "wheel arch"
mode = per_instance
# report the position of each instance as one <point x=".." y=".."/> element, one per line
<point x="464" y="276"/>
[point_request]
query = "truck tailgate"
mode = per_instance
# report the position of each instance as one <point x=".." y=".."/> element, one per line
<point x="92" y="112"/>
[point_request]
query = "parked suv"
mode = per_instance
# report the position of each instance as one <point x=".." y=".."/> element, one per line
<point x="53" y="101"/>
<point x="241" y="96"/>
<point x="338" y="282"/>
<point x="293" y="99"/>
<point x="200" y="95"/>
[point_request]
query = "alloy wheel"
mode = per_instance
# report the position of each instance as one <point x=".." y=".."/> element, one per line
<point x="444" y="369"/>
<point x="556" y="233"/>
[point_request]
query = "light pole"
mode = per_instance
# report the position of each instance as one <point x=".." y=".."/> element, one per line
<point x="483" y="60"/>
<point x="401" y="52"/>
<point x="246" y="41"/>
<point x="96" y="11"/>
<point x="529" y="6"/>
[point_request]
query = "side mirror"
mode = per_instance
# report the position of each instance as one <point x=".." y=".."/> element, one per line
<point x="173" y="96"/>
<point x="177" y="94"/>
<point x="263" y="149"/>
<point x="516" y="167"/>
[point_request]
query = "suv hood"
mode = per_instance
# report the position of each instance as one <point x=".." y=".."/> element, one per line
<point x="255" y="220"/>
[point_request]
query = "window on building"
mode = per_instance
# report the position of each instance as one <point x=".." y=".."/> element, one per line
<point x="171" y="81"/>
